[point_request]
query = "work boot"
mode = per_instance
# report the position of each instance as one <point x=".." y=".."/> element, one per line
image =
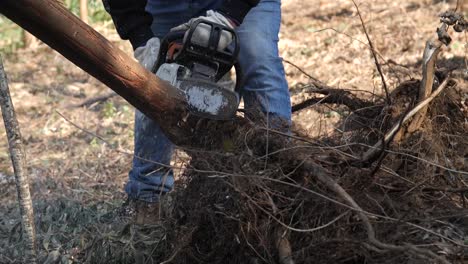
<point x="145" y="213"/>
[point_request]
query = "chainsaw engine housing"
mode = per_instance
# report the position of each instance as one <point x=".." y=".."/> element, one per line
<point x="195" y="68"/>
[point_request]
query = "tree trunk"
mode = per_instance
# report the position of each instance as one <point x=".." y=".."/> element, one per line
<point x="19" y="165"/>
<point x="84" y="10"/>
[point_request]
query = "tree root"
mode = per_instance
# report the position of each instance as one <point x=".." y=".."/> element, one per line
<point x="376" y="149"/>
<point x="334" y="96"/>
<point x="375" y="244"/>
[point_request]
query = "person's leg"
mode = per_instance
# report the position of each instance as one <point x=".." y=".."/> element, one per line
<point x="264" y="82"/>
<point x="150" y="175"/>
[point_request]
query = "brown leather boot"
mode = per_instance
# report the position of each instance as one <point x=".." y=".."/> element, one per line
<point x="145" y="213"/>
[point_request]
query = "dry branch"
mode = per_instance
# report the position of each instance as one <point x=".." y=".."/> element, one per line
<point x="18" y="159"/>
<point x="333" y="96"/>
<point x="91" y="101"/>
<point x="389" y="135"/>
<point x="431" y="51"/>
<point x="377" y="64"/>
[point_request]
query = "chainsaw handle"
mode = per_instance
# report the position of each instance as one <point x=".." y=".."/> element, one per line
<point x="172" y="36"/>
<point x="225" y="58"/>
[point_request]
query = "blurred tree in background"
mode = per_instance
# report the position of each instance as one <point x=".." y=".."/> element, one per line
<point x="12" y="37"/>
<point x="84" y="10"/>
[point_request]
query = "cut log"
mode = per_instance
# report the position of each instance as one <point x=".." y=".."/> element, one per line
<point x="52" y="23"/>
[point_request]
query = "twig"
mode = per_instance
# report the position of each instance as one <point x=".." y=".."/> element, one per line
<point x="417" y="158"/>
<point x="252" y="247"/>
<point x="428" y="189"/>
<point x="436" y="189"/>
<point x="382" y="154"/>
<point x="172" y="257"/>
<point x="299" y="230"/>
<point x="301" y="70"/>
<point x="376" y="148"/>
<point x="310" y="102"/>
<point x="334" y="96"/>
<point x="91" y="101"/>
<point x="119" y="150"/>
<point x="18" y="159"/>
<point x="377" y="64"/>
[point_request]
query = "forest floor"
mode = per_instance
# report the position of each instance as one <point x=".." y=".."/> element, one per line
<point x="77" y="178"/>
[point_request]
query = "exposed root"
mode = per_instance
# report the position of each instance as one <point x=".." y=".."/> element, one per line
<point x="334" y="96"/>
<point x="378" y="245"/>
<point x="390" y="134"/>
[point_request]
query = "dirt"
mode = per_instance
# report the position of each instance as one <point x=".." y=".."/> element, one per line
<point x="326" y="39"/>
<point x="77" y="179"/>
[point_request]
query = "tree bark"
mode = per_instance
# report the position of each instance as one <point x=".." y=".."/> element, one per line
<point x="18" y="159"/>
<point x="52" y="23"/>
<point x="84" y="10"/>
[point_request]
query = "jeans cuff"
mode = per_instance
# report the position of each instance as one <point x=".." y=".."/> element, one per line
<point x="143" y="192"/>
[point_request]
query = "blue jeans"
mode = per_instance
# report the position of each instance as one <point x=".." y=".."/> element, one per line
<point x="264" y="86"/>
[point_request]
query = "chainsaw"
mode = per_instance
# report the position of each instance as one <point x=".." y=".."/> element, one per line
<point x="195" y="67"/>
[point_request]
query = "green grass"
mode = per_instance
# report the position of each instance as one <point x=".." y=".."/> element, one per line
<point x="96" y="10"/>
<point x="11" y="34"/>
